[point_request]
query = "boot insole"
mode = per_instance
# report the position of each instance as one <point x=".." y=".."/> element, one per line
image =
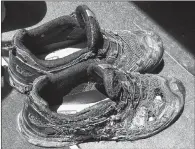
<point x="60" y="53"/>
<point x="78" y="102"/>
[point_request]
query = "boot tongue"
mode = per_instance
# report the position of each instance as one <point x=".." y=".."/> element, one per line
<point x="100" y="70"/>
<point x="108" y="76"/>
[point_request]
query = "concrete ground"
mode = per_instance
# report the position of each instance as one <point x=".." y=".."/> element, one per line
<point x="114" y="16"/>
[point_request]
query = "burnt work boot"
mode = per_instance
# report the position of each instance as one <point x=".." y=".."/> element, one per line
<point x="134" y="106"/>
<point x="139" y="51"/>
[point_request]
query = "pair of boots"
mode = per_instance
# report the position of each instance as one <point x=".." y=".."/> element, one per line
<point x="107" y="69"/>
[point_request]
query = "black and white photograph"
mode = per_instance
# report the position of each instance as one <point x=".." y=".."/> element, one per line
<point x="97" y="74"/>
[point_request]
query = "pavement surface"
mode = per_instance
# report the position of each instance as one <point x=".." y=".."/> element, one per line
<point x="114" y="16"/>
